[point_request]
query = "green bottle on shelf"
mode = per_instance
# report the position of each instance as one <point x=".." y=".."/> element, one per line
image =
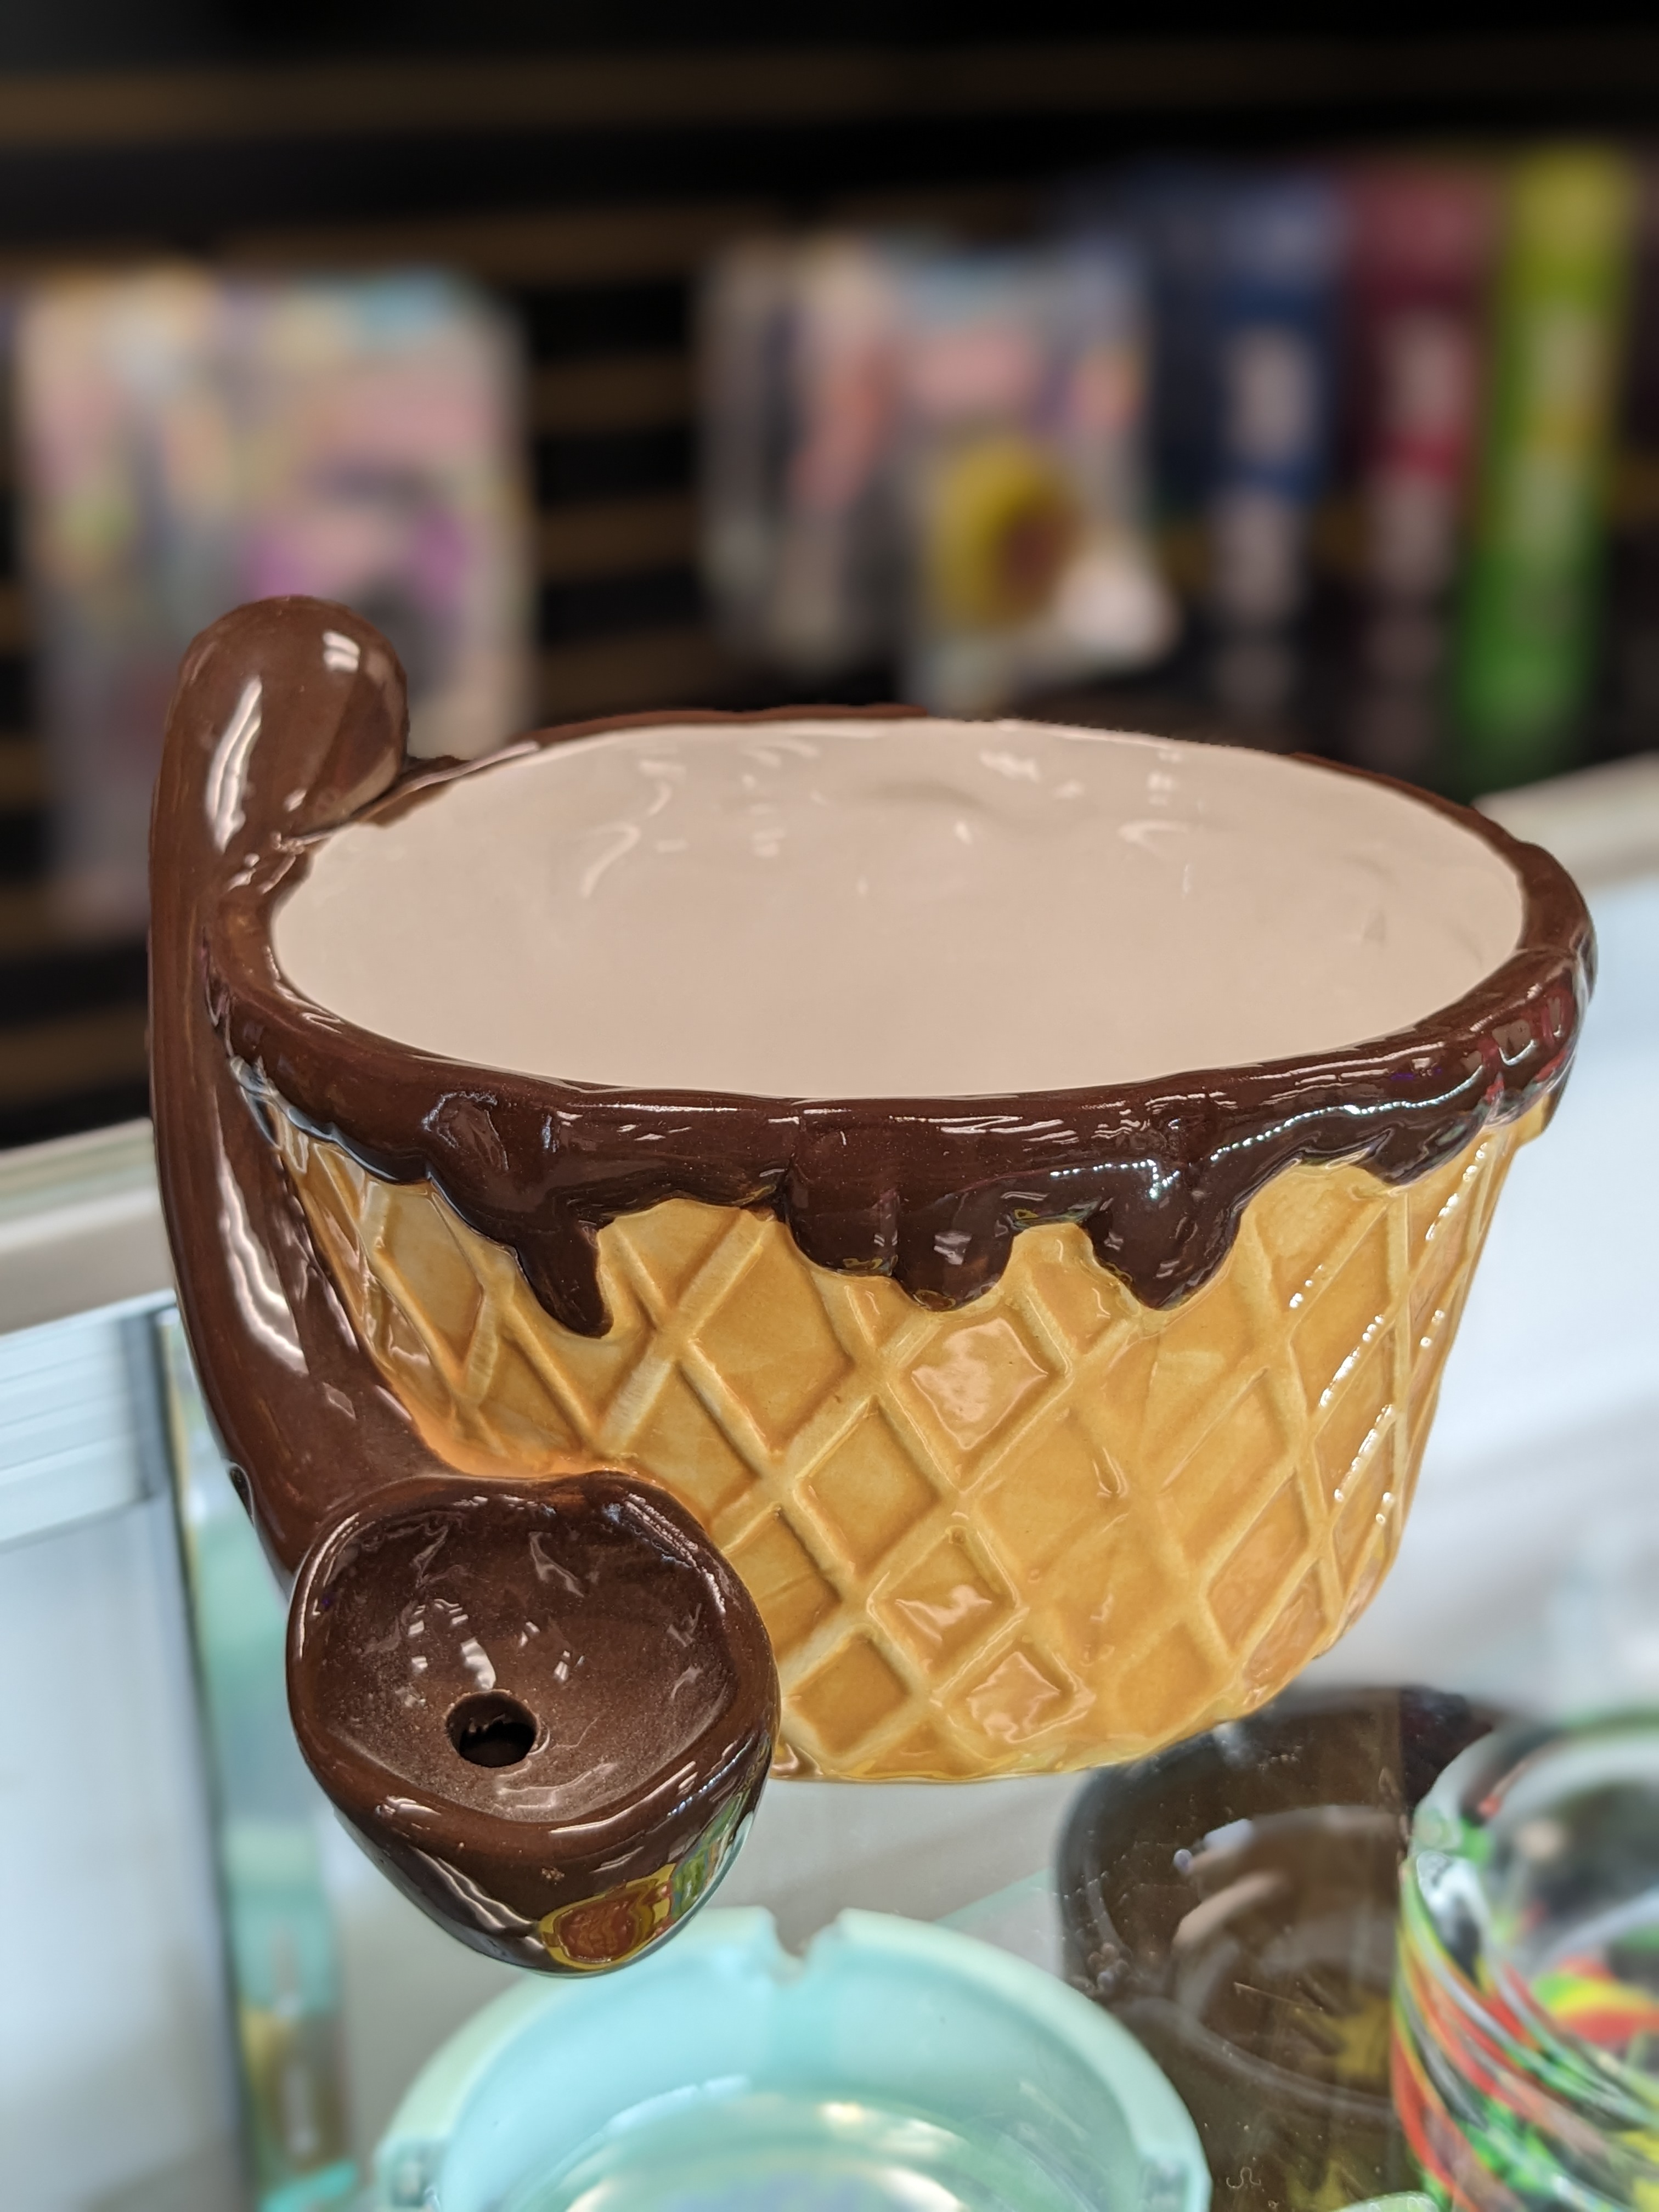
<point x="1526" y="641"/>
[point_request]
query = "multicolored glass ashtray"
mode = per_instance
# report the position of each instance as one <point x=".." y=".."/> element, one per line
<point x="1526" y="2055"/>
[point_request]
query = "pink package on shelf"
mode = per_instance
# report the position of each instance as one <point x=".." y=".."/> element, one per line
<point x="189" y="442"/>
<point x="1422" y="240"/>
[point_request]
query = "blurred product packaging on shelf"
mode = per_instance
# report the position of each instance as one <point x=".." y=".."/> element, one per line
<point x="189" y="441"/>
<point x="931" y="452"/>
<point x="1244" y="274"/>
<point x="1421" y="239"/>
<point x="1629" y="700"/>
<point x="799" y="403"/>
<point x="1022" y="407"/>
<point x="1360" y="457"/>
<point x="1525" y="658"/>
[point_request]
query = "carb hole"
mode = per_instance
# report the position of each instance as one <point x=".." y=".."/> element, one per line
<point x="491" y="1730"/>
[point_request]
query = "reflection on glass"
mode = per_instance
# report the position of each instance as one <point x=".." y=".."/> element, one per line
<point x="1233" y="1902"/>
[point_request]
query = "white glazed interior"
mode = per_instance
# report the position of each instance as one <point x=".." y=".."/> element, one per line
<point x="867" y="908"/>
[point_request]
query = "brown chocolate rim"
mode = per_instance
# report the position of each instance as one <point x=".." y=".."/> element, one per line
<point x="289" y="720"/>
<point x="932" y="1191"/>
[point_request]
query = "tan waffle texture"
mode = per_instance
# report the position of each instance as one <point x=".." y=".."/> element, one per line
<point x="1053" y="1530"/>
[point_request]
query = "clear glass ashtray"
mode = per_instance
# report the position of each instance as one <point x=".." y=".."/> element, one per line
<point x="1233" y="1901"/>
<point x="1526" y="2050"/>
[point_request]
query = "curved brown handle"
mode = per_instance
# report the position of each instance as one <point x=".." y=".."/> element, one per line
<point x="289" y="716"/>
<point x="547" y="1710"/>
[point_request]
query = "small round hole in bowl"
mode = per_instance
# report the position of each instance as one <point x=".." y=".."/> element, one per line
<point x="491" y="1729"/>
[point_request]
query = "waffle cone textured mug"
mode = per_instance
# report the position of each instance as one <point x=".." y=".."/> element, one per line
<point x="890" y="1249"/>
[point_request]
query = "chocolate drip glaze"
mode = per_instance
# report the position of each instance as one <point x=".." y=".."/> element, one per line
<point x="288" y="718"/>
<point x="930" y="1191"/>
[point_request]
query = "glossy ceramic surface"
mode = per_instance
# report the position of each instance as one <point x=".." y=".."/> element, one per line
<point x="1056" y="1528"/>
<point x="401" y="1562"/>
<point x="1233" y="1902"/>
<point x="896" y="2066"/>
<point x="929" y="1191"/>
<point x="853" y="906"/>
<point x="547" y="1712"/>
<point x="1041" y="1430"/>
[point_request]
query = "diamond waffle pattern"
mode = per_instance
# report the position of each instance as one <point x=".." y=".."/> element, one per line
<point x="1054" y="1529"/>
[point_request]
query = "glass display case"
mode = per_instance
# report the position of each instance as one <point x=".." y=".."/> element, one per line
<point x="222" y="1993"/>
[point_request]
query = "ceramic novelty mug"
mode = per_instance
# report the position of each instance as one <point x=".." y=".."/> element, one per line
<point x="969" y="1216"/>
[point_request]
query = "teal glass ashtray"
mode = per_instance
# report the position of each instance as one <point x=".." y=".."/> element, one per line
<point x="896" y="2067"/>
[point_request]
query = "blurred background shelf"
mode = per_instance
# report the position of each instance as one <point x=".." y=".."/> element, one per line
<point x="582" y="167"/>
<point x="583" y="170"/>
